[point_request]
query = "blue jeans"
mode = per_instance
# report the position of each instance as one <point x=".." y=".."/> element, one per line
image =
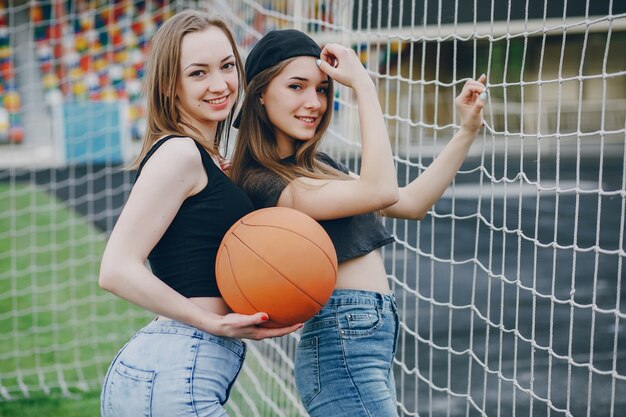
<point x="345" y="356"/>
<point x="172" y="369"/>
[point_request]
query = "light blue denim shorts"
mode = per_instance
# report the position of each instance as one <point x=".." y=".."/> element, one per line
<point x="344" y="359"/>
<point x="172" y="369"/>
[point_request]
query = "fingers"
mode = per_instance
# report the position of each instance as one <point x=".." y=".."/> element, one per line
<point x="330" y="59"/>
<point x="225" y="166"/>
<point x="474" y="86"/>
<point x="343" y="65"/>
<point x="256" y="319"/>
<point x="325" y="67"/>
<point x="483" y="94"/>
<point x="263" y="333"/>
<point x="332" y="52"/>
<point x="470" y="103"/>
<point x="473" y="93"/>
<point x="250" y="326"/>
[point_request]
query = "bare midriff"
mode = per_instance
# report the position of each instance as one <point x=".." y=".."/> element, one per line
<point x="215" y="305"/>
<point x="366" y="273"/>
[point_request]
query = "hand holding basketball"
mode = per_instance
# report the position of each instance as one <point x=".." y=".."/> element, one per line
<point x="278" y="261"/>
<point x="244" y="326"/>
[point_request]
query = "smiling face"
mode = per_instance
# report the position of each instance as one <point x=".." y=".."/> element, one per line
<point x="295" y="101"/>
<point x="208" y="81"/>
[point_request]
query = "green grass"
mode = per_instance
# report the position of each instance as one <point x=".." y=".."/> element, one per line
<point x="58" y="329"/>
<point x="81" y="405"/>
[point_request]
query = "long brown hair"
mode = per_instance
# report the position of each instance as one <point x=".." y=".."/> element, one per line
<point x="256" y="146"/>
<point x="162" y="76"/>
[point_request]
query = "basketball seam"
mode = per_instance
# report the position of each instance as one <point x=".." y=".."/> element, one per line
<point x="295" y="233"/>
<point x="268" y="264"/>
<point x="243" y="294"/>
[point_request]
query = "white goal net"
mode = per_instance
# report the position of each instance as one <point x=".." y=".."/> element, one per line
<point x="510" y="290"/>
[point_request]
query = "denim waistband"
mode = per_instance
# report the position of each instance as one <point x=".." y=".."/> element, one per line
<point x="182" y="329"/>
<point x="356" y="297"/>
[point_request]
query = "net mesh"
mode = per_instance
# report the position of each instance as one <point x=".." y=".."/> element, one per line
<point x="510" y="288"/>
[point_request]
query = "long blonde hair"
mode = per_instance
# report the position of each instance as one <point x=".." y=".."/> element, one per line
<point x="162" y="76"/>
<point x="256" y="146"/>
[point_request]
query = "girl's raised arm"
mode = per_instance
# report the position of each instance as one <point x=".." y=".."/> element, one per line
<point x="377" y="185"/>
<point x="424" y="191"/>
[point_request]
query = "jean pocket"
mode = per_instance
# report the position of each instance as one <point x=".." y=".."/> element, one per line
<point x="359" y="321"/>
<point x="128" y="392"/>
<point x="307" y="372"/>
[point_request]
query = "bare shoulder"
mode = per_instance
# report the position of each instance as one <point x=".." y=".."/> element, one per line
<point x="177" y="154"/>
<point x="176" y="166"/>
<point x="179" y="150"/>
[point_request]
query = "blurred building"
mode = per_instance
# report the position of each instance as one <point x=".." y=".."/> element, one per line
<point x="70" y="71"/>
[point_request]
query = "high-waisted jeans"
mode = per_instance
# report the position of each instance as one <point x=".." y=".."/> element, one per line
<point x="172" y="369"/>
<point x="345" y="356"/>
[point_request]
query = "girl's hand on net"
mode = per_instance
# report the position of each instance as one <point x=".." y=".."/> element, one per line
<point x="469" y="104"/>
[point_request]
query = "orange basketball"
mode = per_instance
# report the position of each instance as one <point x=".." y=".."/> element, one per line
<point x="279" y="261"/>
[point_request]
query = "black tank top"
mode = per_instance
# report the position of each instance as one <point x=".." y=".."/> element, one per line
<point x="184" y="258"/>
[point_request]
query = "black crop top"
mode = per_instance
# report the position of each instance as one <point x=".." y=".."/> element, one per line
<point x="184" y="257"/>
<point x="352" y="236"/>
